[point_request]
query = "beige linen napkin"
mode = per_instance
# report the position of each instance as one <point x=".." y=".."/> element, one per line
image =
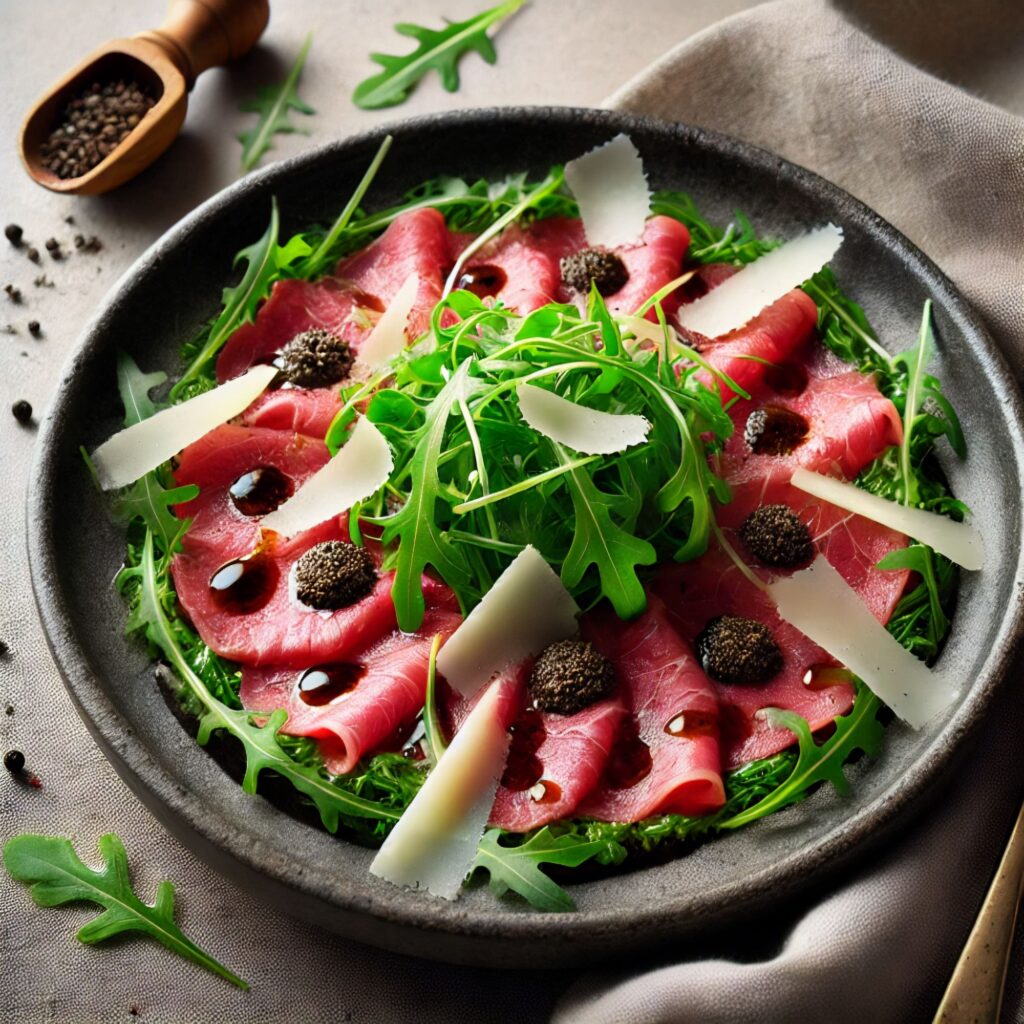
<point x="947" y="168"/>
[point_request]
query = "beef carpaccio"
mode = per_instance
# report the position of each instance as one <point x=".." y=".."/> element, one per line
<point x="661" y="740"/>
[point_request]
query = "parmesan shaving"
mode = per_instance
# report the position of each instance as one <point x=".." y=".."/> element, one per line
<point x="526" y="609"/>
<point x="435" y="841"/>
<point x="388" y="336"/>
<point x="134" y="451"/>
<point x="359" y="469"/>
<point x="957" y="541"/>
<point x="611" y="189"/>
<point x="584" y="430"/>
<point x="820" y="603"/>
<point x="739" y="299"/>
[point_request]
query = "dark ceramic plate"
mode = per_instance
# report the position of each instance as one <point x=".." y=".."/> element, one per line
<point x="175" y="287"/>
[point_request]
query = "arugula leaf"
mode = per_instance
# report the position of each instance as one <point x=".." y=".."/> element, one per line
<point x="600" y="542"/>
<point x="919" y="621"/>
<point x="518" y="868"/>
<point x="134" y="387"/>
<point x="274" y="103"/>
<point x="859" y="729"/>
<point x="421" y="542"/>
<point x="441" y="49"/>
<point x="265" y="261"/>
<point x="57" y="876"/>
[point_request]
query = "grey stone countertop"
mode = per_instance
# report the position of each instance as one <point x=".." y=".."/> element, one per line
<point x="581" y="51"/>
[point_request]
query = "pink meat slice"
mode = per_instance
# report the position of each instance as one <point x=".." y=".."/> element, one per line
<point x="530" y="258"/>
<point x="850" y="424"/>
<point x="655" y="261"/>
<point x="415" y="242"/>
<point x="666" y="758"/>
<point x="300" y="410"/>
<point x="555" y="762"/>
<point x="281" y="631"/>
<point x="386" y="698"/>
<point x="773" y="337"/>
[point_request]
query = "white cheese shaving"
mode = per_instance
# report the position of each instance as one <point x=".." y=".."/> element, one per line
<point x="134" y="451"/>
<point x="957" y="541"/>
<point x="584" y="430"/>
<point x="740" y="298"/>
<point x="388" y="336"/>
<point x="820" y="603"/>
<point x="611" y="189"/>
<point x="359" y="469"/>
<point x="435" y="842"/>
<point x="526" y="609"/>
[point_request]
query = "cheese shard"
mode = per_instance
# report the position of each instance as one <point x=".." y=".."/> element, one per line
<point x="822" y="605"/>
<point x="611" y="189"/>
<point x="959" y="542"/>
<point x="740" y="298"/>
<point x="434" y="844"/>
<point x="360" y="468"/>
<point x="589" y="431"/>
<point x="388" y="336"/>
<point x="134" y="451"/>
<point x="527" y="609"/>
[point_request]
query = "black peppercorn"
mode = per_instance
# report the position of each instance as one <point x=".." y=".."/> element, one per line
<point x="34" y="329"/>
<point x="22" y="411"/>
<point x="14" y="761"/>
<point x="33" y="254"/>
<point x="14" y="234"/>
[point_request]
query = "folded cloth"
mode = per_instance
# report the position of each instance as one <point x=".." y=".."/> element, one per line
<point x="947" y="168"/>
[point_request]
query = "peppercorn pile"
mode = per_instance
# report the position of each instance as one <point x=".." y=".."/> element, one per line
<point x="93" y="124"/>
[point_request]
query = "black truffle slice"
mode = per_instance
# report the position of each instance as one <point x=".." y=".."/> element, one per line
<point x="604" y="268"/>
<point x="732" y="649"/>
<point x="569" y="676"/>
<point x="334" y="575"/>
<point x="775" y="430"/>
<point x="776" y="536"/>
<point x="315" y="359"/>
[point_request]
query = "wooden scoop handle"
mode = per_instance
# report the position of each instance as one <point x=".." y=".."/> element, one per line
<point x="201" y="34"/>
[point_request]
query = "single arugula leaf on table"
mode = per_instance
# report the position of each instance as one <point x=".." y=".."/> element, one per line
<point x="56" y="875"/>
<point x="518" y="868"/>
<point x="440" y="49"/>
<point x="274" y="104"/>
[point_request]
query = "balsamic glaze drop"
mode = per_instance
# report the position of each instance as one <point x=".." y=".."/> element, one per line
<point x="630" y="760"/>
<point x="260" y="491"/>
<point x="320" y="685"/>
<point x="483" y="280"/>
<point x="523" y="768"/>
<point x="245" y="584"/>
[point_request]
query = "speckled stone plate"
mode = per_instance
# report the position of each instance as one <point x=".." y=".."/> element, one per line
<point x="305" y="871"/>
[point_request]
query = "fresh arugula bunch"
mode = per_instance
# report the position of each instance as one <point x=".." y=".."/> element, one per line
<point x="57" y="876"/>
<point x="438" y="49"/>
<point x="474" y="483"/>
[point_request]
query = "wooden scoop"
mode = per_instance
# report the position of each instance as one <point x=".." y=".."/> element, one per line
<point x="196" y="35"/>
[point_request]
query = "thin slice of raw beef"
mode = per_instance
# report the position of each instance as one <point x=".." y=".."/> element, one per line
<point x="666" y="757"/>
<point x="368" y="695"/>
<point x="268" y="626"/>
<point x="347" y="302"/>
<point x="849" y="424"/>
<point x="302" y="410"/>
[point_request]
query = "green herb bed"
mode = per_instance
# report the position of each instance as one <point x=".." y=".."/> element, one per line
<point x="598" y="529"/>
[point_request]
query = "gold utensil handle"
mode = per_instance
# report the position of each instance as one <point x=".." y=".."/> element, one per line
<point x="975" y="991"/>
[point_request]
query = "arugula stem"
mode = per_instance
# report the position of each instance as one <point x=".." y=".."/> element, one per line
<point x="664" y="291"/>
<point x="316" y="259"/>
<point x="523" y="485"/>
<point x="431" y="720"/>
<point x="923" y="352"/>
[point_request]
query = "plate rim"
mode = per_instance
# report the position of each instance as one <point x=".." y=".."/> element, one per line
<point x="588" y="932"/>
